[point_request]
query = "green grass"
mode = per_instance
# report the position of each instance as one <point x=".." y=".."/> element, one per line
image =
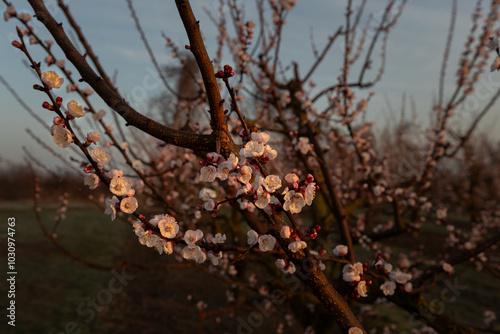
<point x="467" y="309"/>
<point x="49" y="285"/>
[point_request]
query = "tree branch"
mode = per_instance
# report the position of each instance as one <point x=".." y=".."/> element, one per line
<point x="132" y="117"/>
<point x="225" y="144"/>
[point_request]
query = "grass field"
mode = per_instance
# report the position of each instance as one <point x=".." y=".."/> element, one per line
<point x="54" y="294"/>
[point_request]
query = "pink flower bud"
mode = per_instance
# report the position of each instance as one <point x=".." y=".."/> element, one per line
<point x="58" y="120"/>
<point x="93" y="137"/>
<point x="47" y="105"/>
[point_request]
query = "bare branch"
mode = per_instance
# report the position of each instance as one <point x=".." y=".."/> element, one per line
<point x="107" y="93"/>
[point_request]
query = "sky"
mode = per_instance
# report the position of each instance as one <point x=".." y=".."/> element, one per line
<point x="414" y="56"/>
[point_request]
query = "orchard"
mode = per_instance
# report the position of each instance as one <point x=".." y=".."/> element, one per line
<point x="245" y="167"/>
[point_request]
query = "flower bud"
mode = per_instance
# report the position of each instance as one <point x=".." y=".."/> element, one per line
<point x="92" y="138"/>
<point x="47" y="105"/>
<point x="16" y="44"/>
<point x="264" y="158"/>
<point x="58" y="120"/>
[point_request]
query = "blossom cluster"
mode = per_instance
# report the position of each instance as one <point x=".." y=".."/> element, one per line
<point x="354" y="274"/>
<point x="256" y="191"/>
<point x="169" y="237"/>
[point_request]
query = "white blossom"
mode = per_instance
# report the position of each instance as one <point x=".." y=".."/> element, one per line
<point x="226" y="167"/>
<point x="245" y="174"/>
<point x="168" y="227"/>
<point x="441" y="213"/>
<point x="285" y="232"/>
<point x="215" y="259"/>
<point x="208" y="173"/>
<point x="272" y="183"/>
<point x="163" y="246"/>
<point x="119" y="186"/>
<point x="297" y="246"/>
<point x="352" y="272"/>
<point x="93" y="137"/>
<point x="100" y="156"/>
<point x="303" y="145"/>
<point x="61" y="63"/>
<point x="388" y="288"/>
<point x="263" y="198"/>
<point x="91" y="180"/>
<point x="61" y="136"/>
<point x="270" y="152"/>
<point x="195" y="253"/>
<point x="260" y="137"/>
<point x="285" y="266"/>
<point x="355" y="330"/>
<point x="219" y="238"/>
<point x="340" y="250"/>
<point x="291" y="178"/>
<point x="400" y="277"/>
<point x="362" y="290"/>
<point x="252" y="237"/>
<point x="129" y="204"/>
<point x="10" y="11"/>
<point x="310" y="193"/>
<point x="294" y="202"/>
<point x="149" y="239"/>
<point x="448" y="268"/>
<point x="191" y="237"/>
<point x="51" y="79"/>
<point x="209" y="205"/>
<point x="205" y="194"/>
<point x="266" y="242"/>
<point x="24" y="17"/>
<point x="74" y="109"/>
<point x="111" y="207"/>
<point x="252" y="149"/>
